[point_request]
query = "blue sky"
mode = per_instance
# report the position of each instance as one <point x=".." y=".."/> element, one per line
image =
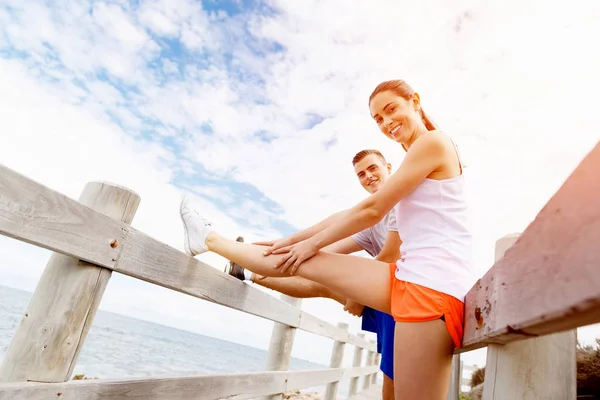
<point x="168" y="61"/>
<point x="258" y="107"/>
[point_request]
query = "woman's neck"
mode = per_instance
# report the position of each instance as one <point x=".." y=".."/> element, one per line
<point x="414" y="137"/>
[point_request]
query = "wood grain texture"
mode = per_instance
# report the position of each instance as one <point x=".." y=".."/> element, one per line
<point x="370" y="361"/>
<point x="53" y="330"/>
<point x="356" y="361"/>
<point x="282" y="341"/>
<point x="239" y="387"/>
<point x="377" y="362"/>
<point x="357" y="340"/>
<point x="541" y="367"/>
<point x="145" y="258"/>
<point x="319" y="377"/>
<point x="213" y="387"/>
<point x="310" y="323"/>
<point x="455" y="379"/>
<point x="281" y="344"/>
<point x="35" y="214"/>
<point x="337" y="356"/>
<point x="549" y="280"/>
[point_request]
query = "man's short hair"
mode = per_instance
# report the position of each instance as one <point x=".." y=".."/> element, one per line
<point x="363" y="153"/>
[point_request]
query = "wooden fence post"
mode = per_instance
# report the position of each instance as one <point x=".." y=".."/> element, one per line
<point x="370" y="361"/>
<point x="537" y="368"/>
<point x="337" y="356"/>
<point x="460" y="376"/>
<point x="356" y="361"/>
<point x="50" y="337"/>
<point x="280" y="347"/>
<point x="377" y="362"/>
<point x="455" y="379"/>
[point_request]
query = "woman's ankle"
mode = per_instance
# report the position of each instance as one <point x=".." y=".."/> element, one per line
<point x="211" y="240"/>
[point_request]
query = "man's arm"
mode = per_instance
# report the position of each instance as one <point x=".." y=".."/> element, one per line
<point x="344" y="246"/>
<point x="305" y="233"/>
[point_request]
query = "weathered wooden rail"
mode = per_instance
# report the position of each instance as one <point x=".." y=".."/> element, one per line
<point x="544" y="284"/>
<point x="92" y="238"/>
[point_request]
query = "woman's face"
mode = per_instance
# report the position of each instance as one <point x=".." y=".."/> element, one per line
<point x="396" y="117"/>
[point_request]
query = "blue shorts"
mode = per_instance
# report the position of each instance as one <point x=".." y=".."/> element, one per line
<point x="384" y="326"/>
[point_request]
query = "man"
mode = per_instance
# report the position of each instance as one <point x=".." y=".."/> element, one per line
<point x="380" y="241"/>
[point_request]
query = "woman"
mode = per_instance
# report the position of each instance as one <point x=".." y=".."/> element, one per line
<point x="424" y="290"/>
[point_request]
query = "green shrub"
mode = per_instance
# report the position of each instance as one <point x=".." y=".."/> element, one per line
<point x="588" y="370"/>
<point x="477" y="377"/>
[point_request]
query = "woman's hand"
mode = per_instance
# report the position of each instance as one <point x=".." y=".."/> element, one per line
<point x="268" y="243"/>
<point x="295" y="255"/>
<point x="276" y="245"/>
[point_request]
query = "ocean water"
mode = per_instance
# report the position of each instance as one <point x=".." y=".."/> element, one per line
<point x="118" y="346"/>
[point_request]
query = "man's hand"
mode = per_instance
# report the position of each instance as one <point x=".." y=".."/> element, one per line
<point x="354" y="308"/>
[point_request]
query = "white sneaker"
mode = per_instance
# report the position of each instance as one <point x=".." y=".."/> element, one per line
<point x="196" y="227"/>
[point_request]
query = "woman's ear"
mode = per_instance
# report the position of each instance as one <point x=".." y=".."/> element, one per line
<point x="416" y="101"/>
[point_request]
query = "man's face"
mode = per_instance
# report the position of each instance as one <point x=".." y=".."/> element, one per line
<point x="372" y="172"/>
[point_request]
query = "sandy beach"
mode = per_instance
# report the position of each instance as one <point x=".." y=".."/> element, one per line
<point x="298" y="395"/>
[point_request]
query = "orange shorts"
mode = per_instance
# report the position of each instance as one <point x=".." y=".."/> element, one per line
<point x="416" y="303"/>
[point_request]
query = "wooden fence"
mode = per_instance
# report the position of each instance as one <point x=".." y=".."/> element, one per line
<point x="92" y="238"/>
<point x="544" y="284"/>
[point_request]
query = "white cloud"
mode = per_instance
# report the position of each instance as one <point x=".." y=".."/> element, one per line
<point x="115" y="23"/>
<point x="215" y="192"/>
<point x="170" y="67"/>
<point x="158" y="22"/>
<point x="64" y="147"/>
<point x="105" y="93"/>
<point x="518" y="101"/>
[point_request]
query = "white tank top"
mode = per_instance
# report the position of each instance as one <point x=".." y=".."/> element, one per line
<point x="436" y="247"/>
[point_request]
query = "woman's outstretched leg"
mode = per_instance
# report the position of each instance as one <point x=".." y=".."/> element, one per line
<point x="364" y="280"/>
<point x="367" y="281"/>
